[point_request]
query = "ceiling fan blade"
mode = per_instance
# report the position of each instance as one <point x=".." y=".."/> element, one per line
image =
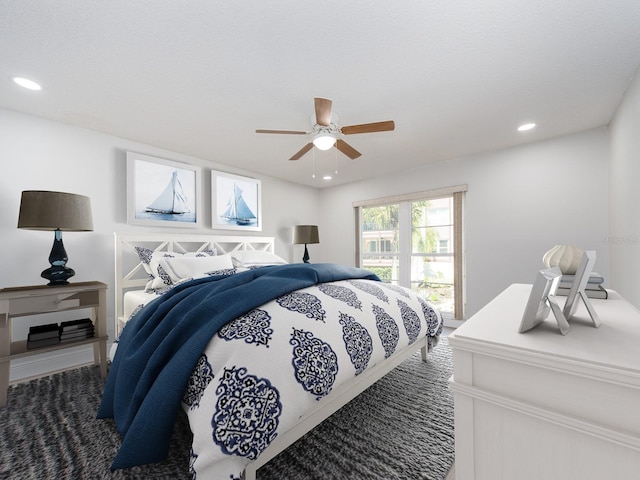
<point x="288" y="132"/>
<point x="347" y="149"/>
<point x="369" y="127"/>
<point x="302" y="151"/>
<point x="323" y="111"/>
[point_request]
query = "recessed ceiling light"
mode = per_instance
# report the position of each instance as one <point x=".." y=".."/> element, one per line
<point x="327" y="177"/>
<point x="26" y="83"/>
<point x="526" y="126"/>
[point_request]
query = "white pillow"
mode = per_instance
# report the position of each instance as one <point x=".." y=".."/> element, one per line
<point x="251" y="258"/>
<point x="158" y="278"/>
<point x="183" y="267"/>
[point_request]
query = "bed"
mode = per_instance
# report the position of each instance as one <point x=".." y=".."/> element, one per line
<point x="301" y="342"/>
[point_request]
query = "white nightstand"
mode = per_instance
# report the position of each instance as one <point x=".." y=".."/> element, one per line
<point x="16" y="302"/>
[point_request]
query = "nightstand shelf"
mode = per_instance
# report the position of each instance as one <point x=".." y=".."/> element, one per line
<point x="19" y="348"/>
<point x="17" y="302"/>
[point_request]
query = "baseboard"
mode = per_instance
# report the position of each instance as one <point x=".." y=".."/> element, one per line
<point x="35" y="366"/>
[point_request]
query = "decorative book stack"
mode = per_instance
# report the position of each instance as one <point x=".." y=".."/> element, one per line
<point x="74" y="330"/>
<point x="43" y="336"/>
<point x="594" y="288"/>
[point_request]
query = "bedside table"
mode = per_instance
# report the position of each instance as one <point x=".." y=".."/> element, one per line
<point x="16" y="302"/>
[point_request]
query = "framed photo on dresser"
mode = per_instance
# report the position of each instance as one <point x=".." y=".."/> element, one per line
<point x="577" y="291"/>
<point x="541" y="301"/>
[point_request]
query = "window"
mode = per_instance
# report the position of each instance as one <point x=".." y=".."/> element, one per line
<point x="416" y="241"/>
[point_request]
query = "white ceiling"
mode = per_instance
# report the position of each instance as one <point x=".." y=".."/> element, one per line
<point x="198" y="77"/>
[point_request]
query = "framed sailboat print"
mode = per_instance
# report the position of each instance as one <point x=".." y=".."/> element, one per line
<point x="162" y="192"/>
<point x="235" y="202"/>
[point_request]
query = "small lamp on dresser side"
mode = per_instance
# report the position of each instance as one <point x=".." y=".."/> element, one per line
<point x="58" y="212"/>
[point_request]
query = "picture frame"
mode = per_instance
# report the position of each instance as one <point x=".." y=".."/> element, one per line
<point x="162" y="192"/>
<point x="577" y="291"/>
<point x="542" y="301"/>
<point x="236" y="202"/>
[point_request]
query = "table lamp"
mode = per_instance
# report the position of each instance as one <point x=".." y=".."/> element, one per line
<point x="57" y="211"/>
<point x="305" y="234"/>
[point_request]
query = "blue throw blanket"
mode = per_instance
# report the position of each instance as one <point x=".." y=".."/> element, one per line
<point x="162" y="343"/>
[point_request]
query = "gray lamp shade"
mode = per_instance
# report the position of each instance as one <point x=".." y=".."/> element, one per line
<point x="44" y="210"/>
<point x="57" y="211"/>
<point x="306" y="234"/>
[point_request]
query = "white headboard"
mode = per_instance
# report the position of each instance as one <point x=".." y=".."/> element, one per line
<point x="131" y="275"/>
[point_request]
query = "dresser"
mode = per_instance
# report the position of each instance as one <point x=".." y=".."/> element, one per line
<point x="540" y="405"/>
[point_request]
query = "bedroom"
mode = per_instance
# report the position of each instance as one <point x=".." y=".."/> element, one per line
<point x="578" y="187"/>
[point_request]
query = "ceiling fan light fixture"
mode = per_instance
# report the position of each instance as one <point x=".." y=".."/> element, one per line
<point x="324" y="141"/>
<point x="326" y="133"/>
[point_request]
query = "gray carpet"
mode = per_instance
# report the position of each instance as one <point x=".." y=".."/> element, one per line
<point x="400" y="428"/>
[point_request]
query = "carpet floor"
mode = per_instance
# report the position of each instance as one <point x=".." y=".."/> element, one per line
<point x="399" y="428"/>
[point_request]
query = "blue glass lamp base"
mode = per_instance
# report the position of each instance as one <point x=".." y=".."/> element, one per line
<point x="58" y="273"/>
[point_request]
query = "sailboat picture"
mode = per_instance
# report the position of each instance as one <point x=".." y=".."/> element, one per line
<point x="235" y="202"/>
<point x="237" y="209"/>
<point x="162" y="192"/>
<point x="172" y="200"/>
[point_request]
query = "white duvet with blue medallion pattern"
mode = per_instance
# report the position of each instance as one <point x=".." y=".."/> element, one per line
<point x="266" y="369"/>
<point x="263" y="370"/>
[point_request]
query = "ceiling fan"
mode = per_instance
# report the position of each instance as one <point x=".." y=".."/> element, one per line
<point x="326" y="133"/>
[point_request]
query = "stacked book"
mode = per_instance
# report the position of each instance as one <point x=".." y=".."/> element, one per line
<point x="594" y="288"/>
<point x="43" y="336"/>
<point x="74" y="330"/>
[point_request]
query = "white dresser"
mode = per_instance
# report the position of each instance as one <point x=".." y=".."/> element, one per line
<point x="543" y="406"/>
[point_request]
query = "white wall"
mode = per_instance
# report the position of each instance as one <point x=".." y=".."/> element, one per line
<point x="624" y="196"/>
<point x="520" y="203"/>
<point x="39" y="154"/>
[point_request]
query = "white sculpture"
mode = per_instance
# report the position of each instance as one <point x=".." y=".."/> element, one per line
<point x="565" y="257"/>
